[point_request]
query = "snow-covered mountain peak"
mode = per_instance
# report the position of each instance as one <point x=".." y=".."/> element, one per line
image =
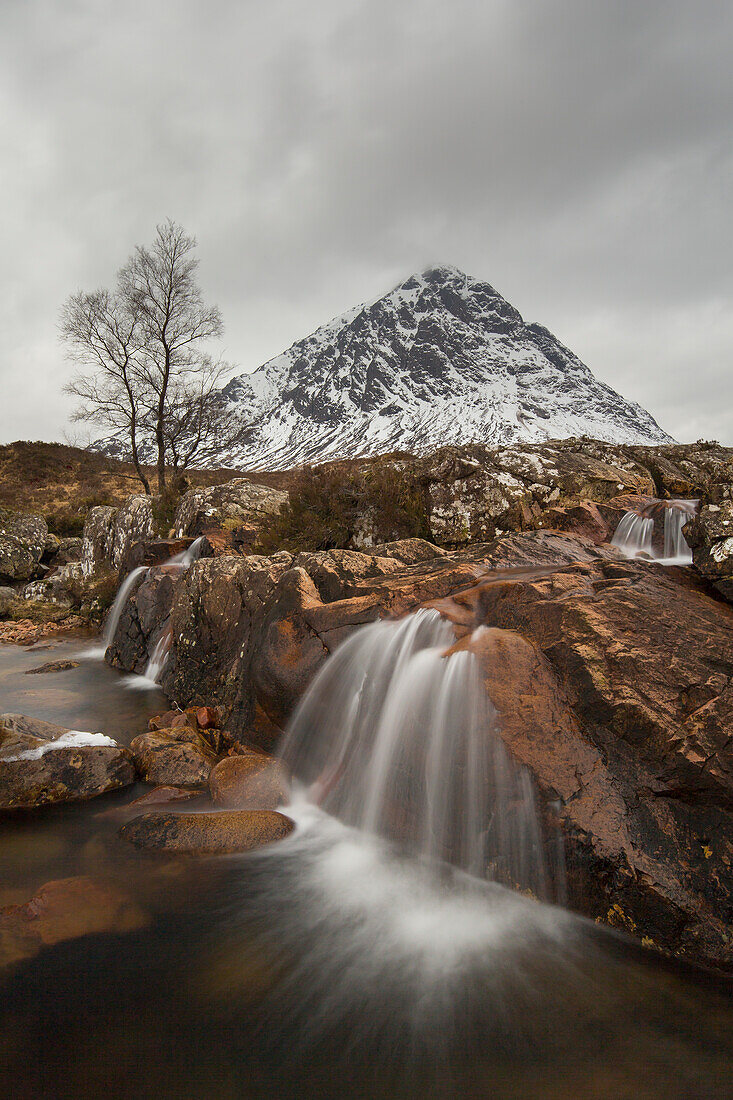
<point x="441" y="358"/>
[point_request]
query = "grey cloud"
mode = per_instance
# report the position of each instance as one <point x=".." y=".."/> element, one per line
<point x="578" y="156"/>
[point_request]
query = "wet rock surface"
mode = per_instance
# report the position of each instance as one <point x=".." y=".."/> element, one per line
<point x="207" y="833"/>
<point x="42" y="763"/>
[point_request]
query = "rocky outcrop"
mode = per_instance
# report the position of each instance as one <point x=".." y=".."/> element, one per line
<point x="626" y="724"/>
<point x="110" y="533"/>
<point x="207" y="833"/>
<point x="42" y="763"/>
<point x="22" y="545"/>
<point x="710" y="535"/>
<point x="133" y="523"/>
<point x="240" y="506"/>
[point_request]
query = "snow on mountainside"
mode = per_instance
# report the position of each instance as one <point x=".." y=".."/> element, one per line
<point x="442" y="358"/>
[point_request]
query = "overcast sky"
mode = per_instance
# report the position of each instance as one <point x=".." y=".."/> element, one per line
<point x="577" y="154"/>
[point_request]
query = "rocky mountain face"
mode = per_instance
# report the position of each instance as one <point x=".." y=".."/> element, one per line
<point x="441" y="359"/>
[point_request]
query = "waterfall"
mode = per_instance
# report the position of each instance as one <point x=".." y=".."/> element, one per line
<point x="635" y="533"/>
<point x="633" y="536"/>
<point x="399" y="739"/>
<point x="158" y="660"/>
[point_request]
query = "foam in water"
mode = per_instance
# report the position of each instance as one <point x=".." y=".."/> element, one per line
<point x="634" y="534"/>
<point x="400" y="740"/>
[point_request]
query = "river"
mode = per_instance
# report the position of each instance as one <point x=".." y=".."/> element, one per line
<point x="332" y="964"/>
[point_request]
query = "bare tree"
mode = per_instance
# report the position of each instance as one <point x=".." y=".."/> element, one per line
<point x="104" y="333"/>
<point x="159" y="283"/>
<point x="198" y="422"/>
<point x="148" y="376"/>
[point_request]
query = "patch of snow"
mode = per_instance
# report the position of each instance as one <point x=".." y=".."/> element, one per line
<point x="73" y="739"/>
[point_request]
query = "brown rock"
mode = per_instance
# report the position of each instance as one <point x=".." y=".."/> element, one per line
<point x="208" y="717"/>
<point x="249" y="781"/>
<point x="174" y="757"/>
<point x="225" y="831"/>
<point x="42" y="763"/>
<point x="64" y="910"/>
<point x="53" y="666"/>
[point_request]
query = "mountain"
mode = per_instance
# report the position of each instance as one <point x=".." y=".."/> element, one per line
<point x="442" y="358"/>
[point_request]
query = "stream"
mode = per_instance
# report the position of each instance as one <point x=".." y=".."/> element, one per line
<point x="332" y="964"/>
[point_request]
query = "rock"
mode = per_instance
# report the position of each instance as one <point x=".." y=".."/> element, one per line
<point x="51" y="546"/>
<point x="99" y="528"/>
<point x="152" y="552"/>
<point x="133" y="523"/>
<point x="41" y="763"/>
<point x="159" y="796"/>
<point x="53" y="666"/>
<point x="629" y="725"/>
<point x="69" y="550"/>
<point x="59" y="586"/>
<point x="63" y="910"/>
<point x="207" y="833"/>
<point x="250" y="781"/>
<point x="710" y="535"/>
<point x="208" y="717"/>
<point x="143" y="619"/>
<point x="175" y="757"/>
<point x="408" y="551"/>
<point x="239" y="503"/>
<point x="8" y="596"/>
<point x="22" y="543"/>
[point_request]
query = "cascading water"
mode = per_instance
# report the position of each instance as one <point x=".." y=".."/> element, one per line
<point x="156" y="664"/>
<point x="399" y="739"/>
<point x="634" y="536"/>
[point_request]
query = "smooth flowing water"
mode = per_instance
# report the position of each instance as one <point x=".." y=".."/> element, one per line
<point x="397" y="736"/>
<point x="634" y="536"/>
<point x="158" y="658"/>
<point x="350" y="960"/>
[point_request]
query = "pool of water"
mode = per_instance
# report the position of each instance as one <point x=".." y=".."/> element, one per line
<point x="329" y="965"/>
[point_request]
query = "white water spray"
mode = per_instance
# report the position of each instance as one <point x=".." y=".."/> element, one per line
<point x="400" y="740"/>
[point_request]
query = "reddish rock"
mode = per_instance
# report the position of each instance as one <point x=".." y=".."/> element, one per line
<point x="64" y="910"/>
<point x="249" y="781"/>
<point x="207" y="833"/>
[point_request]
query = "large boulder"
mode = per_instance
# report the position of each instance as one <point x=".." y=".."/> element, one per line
<point x="22" y="545"/>
<point x="134" y="522"/>
<point x="630" y="726"/>
<point x="110" y="533"/>
<point x="42" y="763"/>
<point x="240" y="505"/>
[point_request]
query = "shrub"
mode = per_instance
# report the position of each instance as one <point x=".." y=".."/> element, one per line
<point x="329" y="504"/>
